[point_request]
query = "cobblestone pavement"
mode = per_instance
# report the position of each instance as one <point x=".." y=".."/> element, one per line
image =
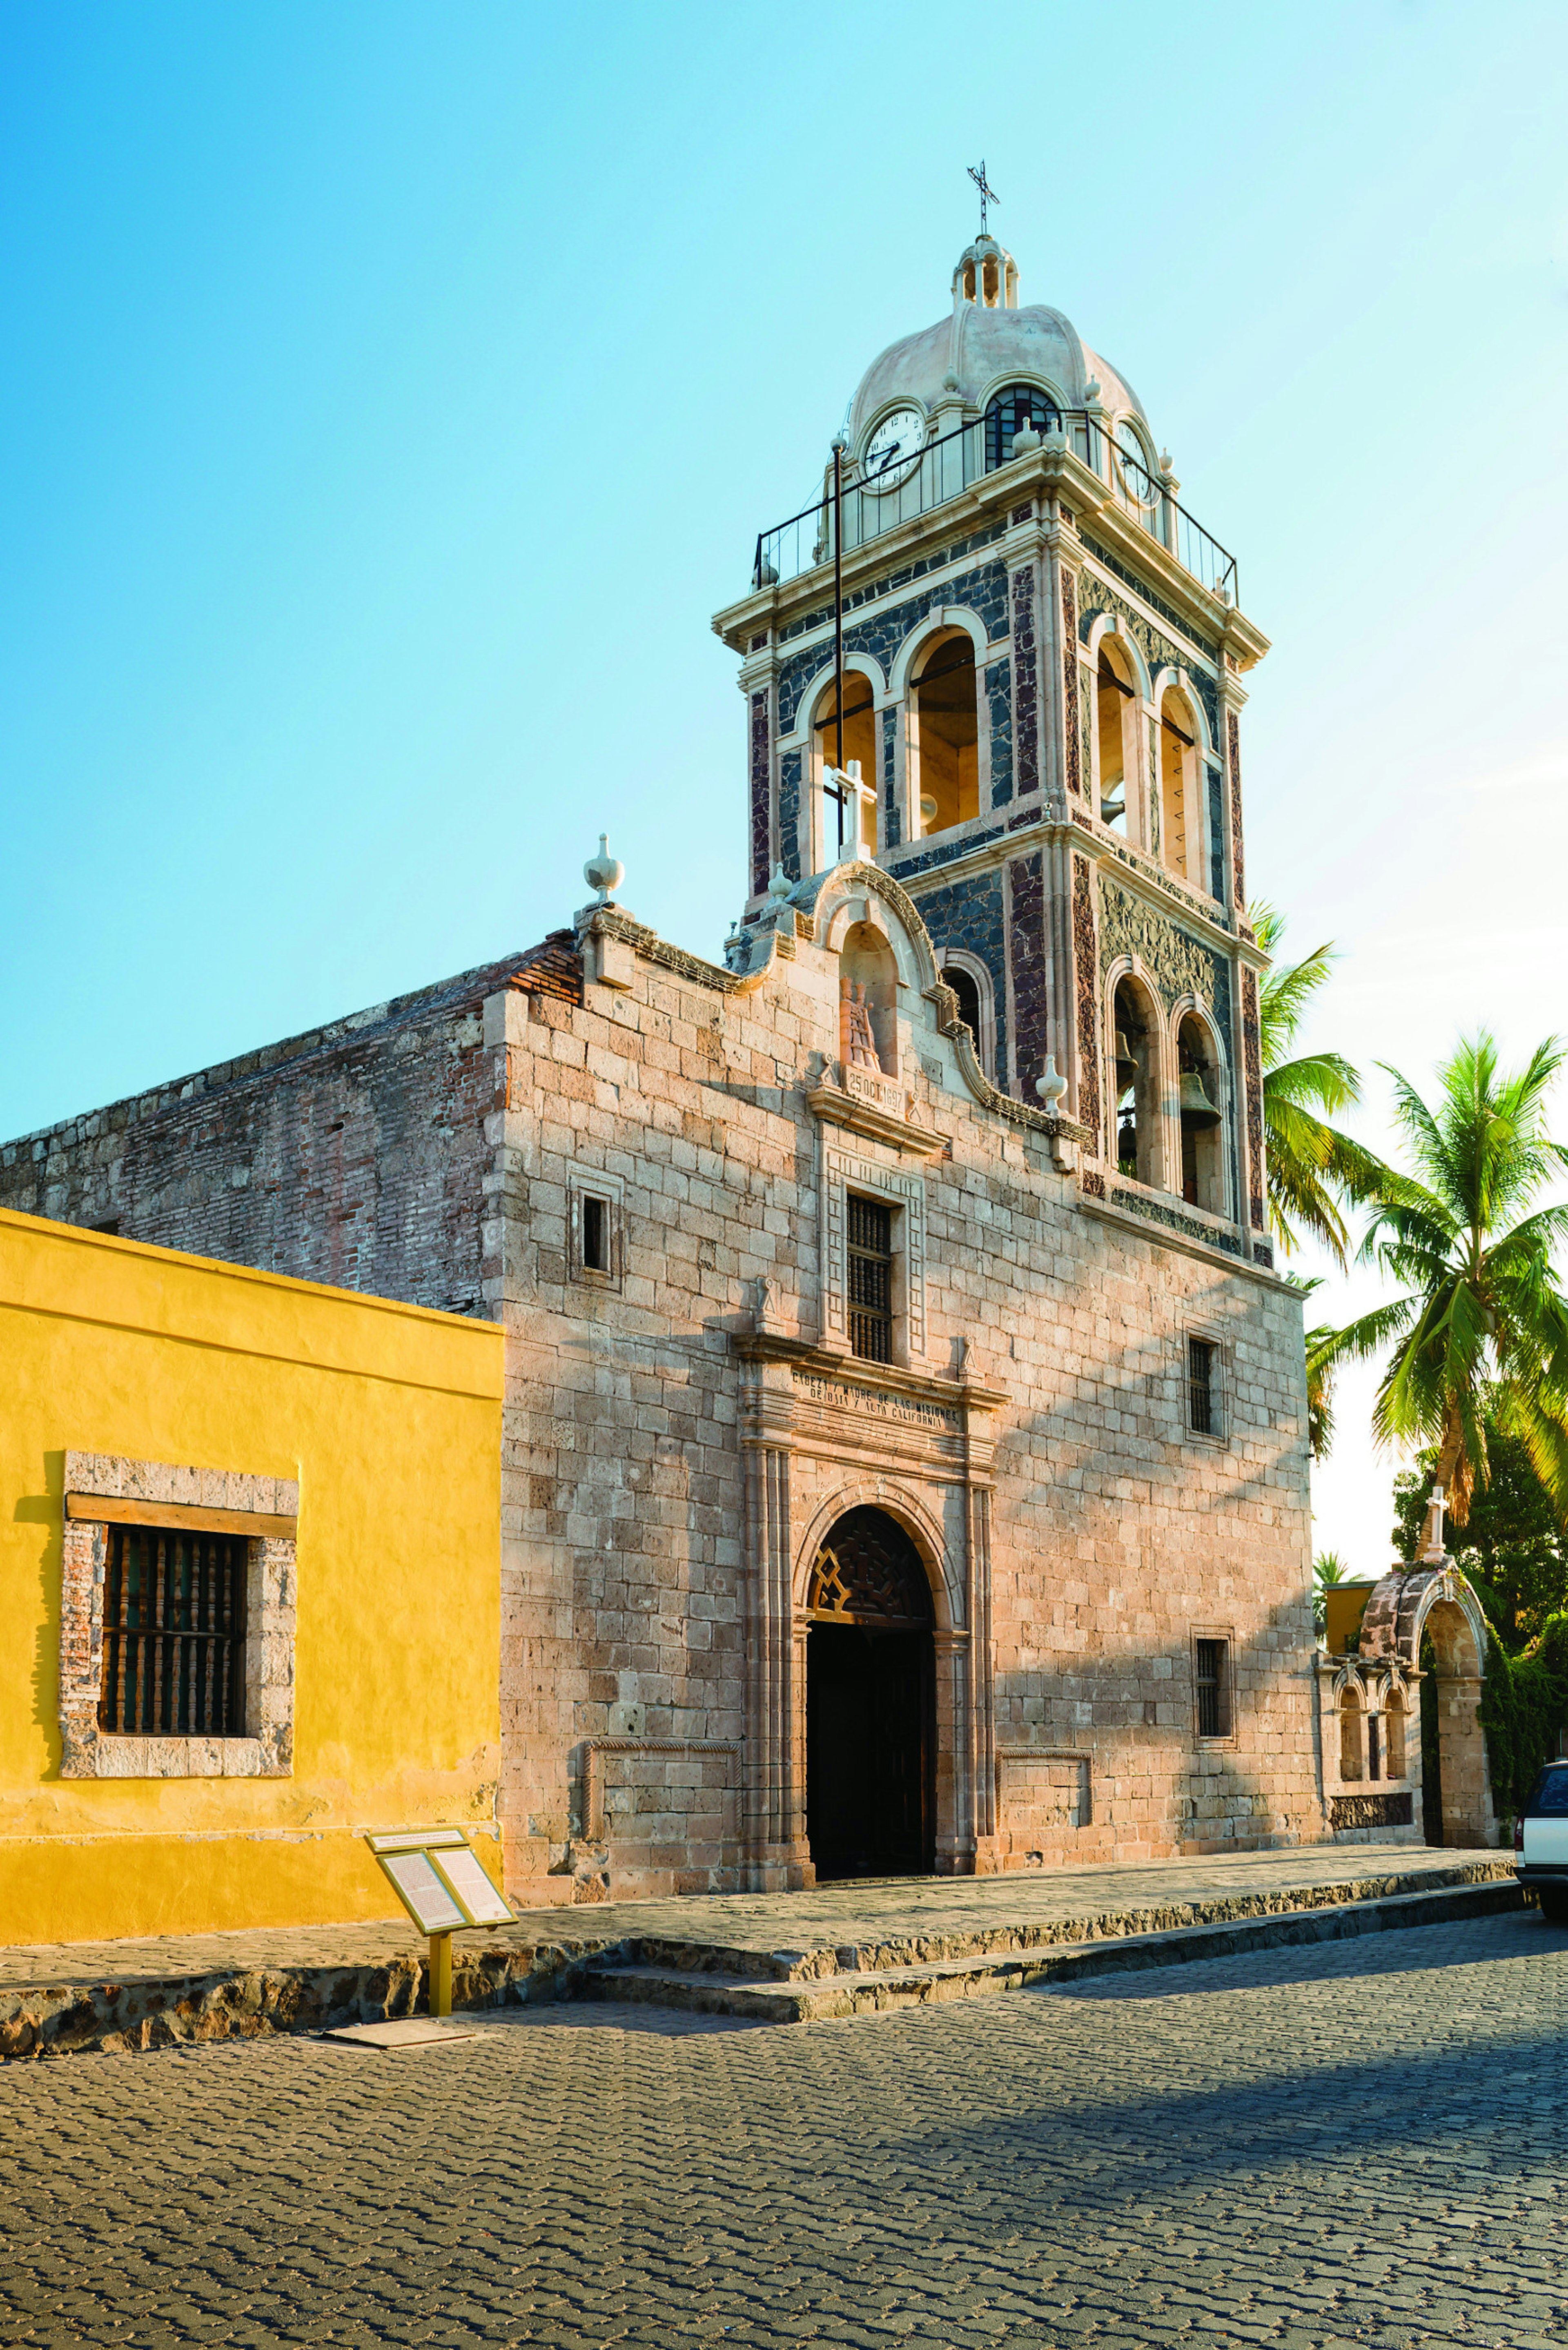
<point x="1357" y="2142"/>
<point x="832" y="1914"/>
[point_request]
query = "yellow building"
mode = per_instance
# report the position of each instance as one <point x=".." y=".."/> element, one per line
<point x="250" y="1552"/>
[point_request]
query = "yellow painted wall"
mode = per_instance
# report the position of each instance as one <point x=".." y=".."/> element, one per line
<point x="1345" y="1605"/>
<point x="389" y="1416"/>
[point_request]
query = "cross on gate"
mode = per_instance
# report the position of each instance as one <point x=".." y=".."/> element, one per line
<point x="987" y="193"/>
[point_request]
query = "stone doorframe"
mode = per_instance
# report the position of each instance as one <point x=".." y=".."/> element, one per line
<point x="823" y="1434"/>
<point x="1434" y="1597"/>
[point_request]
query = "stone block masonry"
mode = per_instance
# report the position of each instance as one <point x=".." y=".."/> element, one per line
<point x="681" y="1430"/>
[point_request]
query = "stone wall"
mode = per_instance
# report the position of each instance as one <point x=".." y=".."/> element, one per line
<point x="353" y="1155"/>
<point x="440" y="1150"/>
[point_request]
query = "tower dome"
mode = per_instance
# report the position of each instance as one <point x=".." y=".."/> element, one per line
<point x="986" y="342"/>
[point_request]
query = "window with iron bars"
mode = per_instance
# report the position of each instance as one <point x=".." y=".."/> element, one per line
<point x="1200" y="1414"/>
<point x="870" y="1276"/>
<point x="1211" y="1680"/>
<point x="173" y="1634"/>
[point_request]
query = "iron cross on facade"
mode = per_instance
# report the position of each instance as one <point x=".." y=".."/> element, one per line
<point x="987" y="193"/>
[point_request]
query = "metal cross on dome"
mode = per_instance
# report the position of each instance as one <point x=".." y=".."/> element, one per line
<point x="987" y="193"/>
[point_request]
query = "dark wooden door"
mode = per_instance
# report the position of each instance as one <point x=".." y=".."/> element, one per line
<point x="870" y="1723"/>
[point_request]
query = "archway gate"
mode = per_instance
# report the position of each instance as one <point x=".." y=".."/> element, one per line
<point x="824" y="1434"/>
<point x="1369" y="1713"/>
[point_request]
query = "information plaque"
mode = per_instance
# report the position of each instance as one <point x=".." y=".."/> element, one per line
<point x="442" y="1883"/>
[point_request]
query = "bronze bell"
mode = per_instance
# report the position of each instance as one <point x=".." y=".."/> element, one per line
<point x="1127" y="1064"/>
<point x="1197" y="1109"/>
<point x="1114" y="803"/>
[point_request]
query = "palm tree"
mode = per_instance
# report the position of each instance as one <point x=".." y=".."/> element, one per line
<point x="1482" y="1318"/>
<point x="1311" y="1165"/>
<point x="1327" y="1569"/>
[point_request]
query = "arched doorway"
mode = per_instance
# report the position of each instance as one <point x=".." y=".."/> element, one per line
<point x="1457" y="1810"/>
<point x="870" y="1712"/>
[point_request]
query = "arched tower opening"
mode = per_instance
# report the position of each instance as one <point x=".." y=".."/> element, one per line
<point x="944" y="734"/>
<point x="1116" y="708"/>
<point x="1203" y="1126"/>
<point x="1137" y="1064"/>
<point x="1180" y="836"/>
<point x="847" y="820"/>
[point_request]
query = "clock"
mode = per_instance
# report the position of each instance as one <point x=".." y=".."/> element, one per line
<point x="1136" y="472"/>
<point x="893" y="451"/>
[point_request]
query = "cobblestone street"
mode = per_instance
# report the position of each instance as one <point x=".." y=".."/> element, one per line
<point x="1355" y="2142"/>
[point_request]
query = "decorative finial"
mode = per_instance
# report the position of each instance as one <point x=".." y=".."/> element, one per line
<point x="1050" y="1087"/>
<point x="1434" y="1551"/>
<point x="988" y="194"/>
<point x="1092" y="388"/>
<point x="1026" y="440"/>
<point x="604" y="872"/>
<point x="780" y="885"/>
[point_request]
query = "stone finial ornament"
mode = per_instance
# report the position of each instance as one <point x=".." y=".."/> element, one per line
<point x="1026" y="440"/>
<point x="1433" y="1549"/>
<point x="1092" y="389"/>
<point x="1050" y="1086"/>
<point x="780" y="885"/>
<point x="604" y="872"/>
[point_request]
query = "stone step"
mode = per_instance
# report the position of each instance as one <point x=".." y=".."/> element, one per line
<point x="800" y="1999"/>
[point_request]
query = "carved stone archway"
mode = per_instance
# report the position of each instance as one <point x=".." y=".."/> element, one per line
<point x="1433" y="1600"/>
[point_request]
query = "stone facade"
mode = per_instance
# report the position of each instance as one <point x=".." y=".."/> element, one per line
<point x="682" y="1426"/>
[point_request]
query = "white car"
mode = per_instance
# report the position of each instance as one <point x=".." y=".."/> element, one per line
<point x="1540" y="1843"/>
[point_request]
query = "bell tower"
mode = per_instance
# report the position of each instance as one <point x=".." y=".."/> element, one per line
<point x="1033" y="657"/>
<point x="1032" y="654"/>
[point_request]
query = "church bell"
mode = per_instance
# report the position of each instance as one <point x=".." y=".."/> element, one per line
<point x="1113" y="803"/>
<point x="1127" y="1064"/>
<point x="1197" y="1109"/>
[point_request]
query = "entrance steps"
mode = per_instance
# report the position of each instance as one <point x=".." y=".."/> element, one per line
<point x="804" y="1986"/>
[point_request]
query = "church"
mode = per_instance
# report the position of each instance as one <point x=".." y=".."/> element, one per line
<point x="904" y="1456"/>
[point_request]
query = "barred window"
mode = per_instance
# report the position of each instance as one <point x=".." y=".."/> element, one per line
<point x="173" y="1634"/>
<point x="1211" y="1678"/>
<point x="1200" y="1386"/>
<point x="870" y="1274"/>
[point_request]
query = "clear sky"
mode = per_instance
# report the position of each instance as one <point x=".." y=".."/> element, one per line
<point x="390" y="393"/>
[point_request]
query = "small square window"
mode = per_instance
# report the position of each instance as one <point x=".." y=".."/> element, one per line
<point x="1202" y="1416"/>
<point x="1211" y="1684"/>
<point x="595" y="1234"/>
<point x="595" y="1244"/>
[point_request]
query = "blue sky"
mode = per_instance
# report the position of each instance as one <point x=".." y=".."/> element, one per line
<point x="390" y="393"/>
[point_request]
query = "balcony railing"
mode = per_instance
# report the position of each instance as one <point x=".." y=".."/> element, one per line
<point x="875" y="505"/>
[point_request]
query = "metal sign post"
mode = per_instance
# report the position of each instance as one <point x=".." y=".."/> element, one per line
<point x="438" y="1876"/>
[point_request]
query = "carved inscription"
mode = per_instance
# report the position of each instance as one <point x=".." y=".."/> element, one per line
<point x="874" y="1402"/>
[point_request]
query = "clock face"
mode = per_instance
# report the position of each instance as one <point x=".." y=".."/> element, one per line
<point x="894" y="450"/>
<point x="1139" y="474"/>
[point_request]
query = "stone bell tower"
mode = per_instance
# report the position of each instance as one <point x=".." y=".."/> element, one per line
<point x="1040" y="654"/>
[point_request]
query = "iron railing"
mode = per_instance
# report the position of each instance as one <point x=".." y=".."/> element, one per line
<point x="873" y="505"/>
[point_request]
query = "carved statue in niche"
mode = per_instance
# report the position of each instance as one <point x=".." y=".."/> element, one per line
<point x="861" y="1053"/>
<point x="869" y="1000"/>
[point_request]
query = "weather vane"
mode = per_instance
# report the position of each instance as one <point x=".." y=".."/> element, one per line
<point x="987" y="193"/>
